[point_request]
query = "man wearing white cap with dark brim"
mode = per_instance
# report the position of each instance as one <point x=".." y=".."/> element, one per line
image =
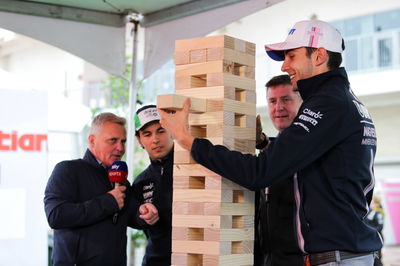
<point x="330" y="149"/>
<point x="154" y="184"/>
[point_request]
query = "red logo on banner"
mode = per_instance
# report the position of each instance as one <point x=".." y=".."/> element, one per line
<point x="26" y="142"/>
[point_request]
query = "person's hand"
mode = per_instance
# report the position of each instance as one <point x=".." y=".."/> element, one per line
<point x="119" y="195"/>
<point x="149" y="213"/>
<point x="261" y="138"/>
<point x="259" y="135"/>
<point x="176" y="122"/>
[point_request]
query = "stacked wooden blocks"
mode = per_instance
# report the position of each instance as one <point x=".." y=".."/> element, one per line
<point x="213" y="218"/>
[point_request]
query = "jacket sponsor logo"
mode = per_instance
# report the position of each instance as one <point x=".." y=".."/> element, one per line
<point x="310" y="116"/>
<point x="369" y="136"/>
<point x="26" y="142"/>
<point x="148" y="191"/>
<point x="302" y="125"/>
<point x="362" y="110"/>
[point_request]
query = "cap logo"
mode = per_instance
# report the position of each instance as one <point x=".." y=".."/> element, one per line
<point x="314" y="36"/>
<point x="291" y="31"/>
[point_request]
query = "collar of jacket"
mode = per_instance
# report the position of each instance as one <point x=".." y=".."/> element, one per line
<point x="89" y="157"/>
<point x="167" y="159"/>
<point x="310" y="86"/>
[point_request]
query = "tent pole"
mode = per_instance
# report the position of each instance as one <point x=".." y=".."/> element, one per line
<point x="131" y="122"/>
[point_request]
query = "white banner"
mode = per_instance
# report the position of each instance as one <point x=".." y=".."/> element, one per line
<point x="23" y="176"/>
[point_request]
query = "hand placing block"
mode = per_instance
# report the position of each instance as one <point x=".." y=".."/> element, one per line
<point x="174" y="102"/>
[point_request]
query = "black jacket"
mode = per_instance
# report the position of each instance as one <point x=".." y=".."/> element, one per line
<point x="329" y="149"/>
<point x="154" y="185"/>
<point x="275" y="240"/>
<point x="80" y="211"/>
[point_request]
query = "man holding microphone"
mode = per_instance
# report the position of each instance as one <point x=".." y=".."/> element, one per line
<point x="81" y="202"/>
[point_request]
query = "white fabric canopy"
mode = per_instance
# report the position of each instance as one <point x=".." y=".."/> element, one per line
<point x="160" y="39"/>
<point x="103" y="46"/>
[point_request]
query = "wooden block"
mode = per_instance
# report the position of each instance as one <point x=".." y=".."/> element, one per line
<point x="201" y="195"/>
<point x="186" y="82"/>
<point x="218" y="182"/>
<point x="242" y="247"/>
<point x="188" y="208"/>
<point x="196" y="221"/>
<point x="174" y="101"/>
<point x="248" y="121"/>
<point x="245" y="96"/>
<point x="230" y="80"/>
<point x="200" y="43"/>
<point x="217" y="92"/>
<point x="250" y="48"/>
<point x="199" y="68"/>
<point x="185" y="259"/>
<point x="201" y="247"/>
<point x="217" y="234"/>
<point x="185" y="233"/>
<point x="242" y="145"/>
<point x="227" y="208"/>
<point x="226" y="118"/>
<point x="181" y="58"/>
<point x="242" y="221"/>
<point x="198" y="56"/>
<point x="183" y="157"/>
<point x="220" y="53"/>
<point x="240" y="45"/>
<point x="230" y="132"/>
<point x="240" y="107"/>
<point x="228" y="260"/>
<point x="189" y="169"/>
<point x="189" y="182"/>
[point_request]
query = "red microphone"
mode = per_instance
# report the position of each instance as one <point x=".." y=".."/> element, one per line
<point x="117" y="174"/>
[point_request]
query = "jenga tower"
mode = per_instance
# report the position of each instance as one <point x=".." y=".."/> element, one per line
<point x="213" y="218"/>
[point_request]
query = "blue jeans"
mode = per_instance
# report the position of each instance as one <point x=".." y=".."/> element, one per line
<point x="367" y="260"/>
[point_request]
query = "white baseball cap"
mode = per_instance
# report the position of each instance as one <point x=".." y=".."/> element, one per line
<point x="308" y="33"/>
<point x="145" y="115"/>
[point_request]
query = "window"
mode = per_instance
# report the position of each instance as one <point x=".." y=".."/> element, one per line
<point x="366" y="53"/>
<point x="351" y="57"/>
<point x="387" y="20"/>
<point x="385" y="52"/>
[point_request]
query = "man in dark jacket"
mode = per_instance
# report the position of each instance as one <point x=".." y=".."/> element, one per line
<point x="80" y="201"/>
<point x="329" y="149"/>
<point x="275" y="239"/>
<point x="154" y="184"/>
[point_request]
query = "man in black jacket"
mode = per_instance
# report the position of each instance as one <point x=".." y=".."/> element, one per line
<point x="275" y="239"/>
<point x="154" y="184"/>
<point x="329" y="149"/>
<point x="80" y="201"/>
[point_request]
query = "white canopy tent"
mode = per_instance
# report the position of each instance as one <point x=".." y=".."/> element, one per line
<point x="95" y="29"/>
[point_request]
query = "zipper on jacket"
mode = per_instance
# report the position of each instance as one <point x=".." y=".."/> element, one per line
<point x="300" y="238"/>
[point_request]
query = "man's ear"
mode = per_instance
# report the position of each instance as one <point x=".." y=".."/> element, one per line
<point x="321" y="56"/>
<point x="138" y="139"/>
<point x="91" y="140"/>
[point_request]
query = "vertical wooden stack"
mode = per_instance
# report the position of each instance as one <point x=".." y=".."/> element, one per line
<point x="213" y="218"/>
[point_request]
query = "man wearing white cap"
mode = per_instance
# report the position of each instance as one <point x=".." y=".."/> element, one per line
<point x="154" y="184"/>
<point x="330" y="149"/>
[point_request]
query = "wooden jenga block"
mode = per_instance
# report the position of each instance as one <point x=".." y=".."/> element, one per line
<point x="230" y="80"/>
<point x="213" y="218"/>
<point x="198" y="56"/>
<point x="175" y="101"/>
<point x="181" y="58"/>
<point x="221" y="53"/>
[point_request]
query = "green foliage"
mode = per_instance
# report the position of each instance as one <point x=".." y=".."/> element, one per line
<point x="138" y="238"/>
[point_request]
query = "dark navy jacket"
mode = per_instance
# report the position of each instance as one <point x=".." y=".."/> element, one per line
<point x="329" y="149"/>
<point x="154" y="185"/>
<point x="80" y="211"/>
